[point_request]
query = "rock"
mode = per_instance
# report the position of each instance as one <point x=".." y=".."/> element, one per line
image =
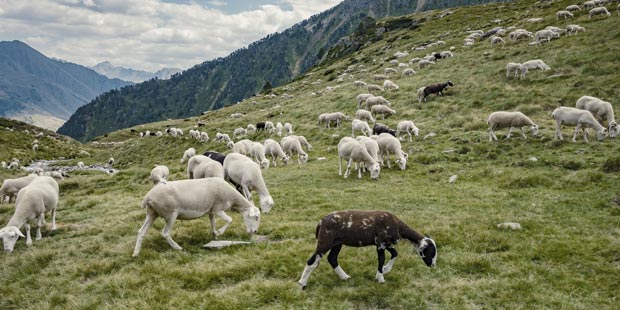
<point x="509" y="225"/>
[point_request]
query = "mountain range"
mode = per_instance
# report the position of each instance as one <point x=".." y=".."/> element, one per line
<point x="271" y="61"/>
<point x="127" y="74"/>
<point x="45" y="91"/>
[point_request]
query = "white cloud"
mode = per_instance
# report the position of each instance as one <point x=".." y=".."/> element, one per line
<point x="144" y="34"/>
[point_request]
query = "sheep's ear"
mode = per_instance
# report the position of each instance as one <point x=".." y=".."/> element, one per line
<point x="19" y="233"/>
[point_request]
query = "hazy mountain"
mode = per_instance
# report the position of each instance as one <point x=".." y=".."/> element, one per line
<point x="273" y="60"/>
<point x="45" y="91"/>
<point x="128" y="74"/>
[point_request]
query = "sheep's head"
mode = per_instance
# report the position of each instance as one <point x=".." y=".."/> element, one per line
<point x="402" y="162"/>
<point x="416" y="131"/>
<point x="374" y="171"/>
<point x="285" y="160"/>
<point x="614" y="129"/>
<point x="9" y="236"/>
<point x="251" y="217"/>
<point x="303" y="158"/>
<point x="449" y="83"/>
<point x="266" y="203"/>
<point x="264" y="164"/>
<point x="534" y="130"/>
<point x="427" y="249"/>
<point x="600" y="135"/>
<point x="230" y="144"/>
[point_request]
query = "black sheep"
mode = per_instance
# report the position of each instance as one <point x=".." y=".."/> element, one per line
<point x="434" y="89"/>
<point x="379" y="128"/>
<point x="260" y="126"/>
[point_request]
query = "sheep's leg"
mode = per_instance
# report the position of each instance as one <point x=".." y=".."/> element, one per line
<point x="409" y="133"/>
<point x="150" y="218"/>
<point x="388" y="159"/>
<point x="577" y="131"/>
<point x="509" y="133"/>
<point x="40" y="221"/>
<point x="28" y="238"/>
<point x="332" y="258"/>
<point x="212" y="220"/>
<point x="312" y="263"/>
<point x="523" y="133"/>
<point x="166" y="231"/>
<point x="381" y="257"/>
<point x="54" y="217"/>
<point x="359" y="171"/>
<point x="340" y="166"/>
<point x="226" y="218"/>
<point x="390" y="263"/>
<point x="349" y="163"/>
<point x="558" y="131"/>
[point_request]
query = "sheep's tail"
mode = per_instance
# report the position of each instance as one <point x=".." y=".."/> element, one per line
<point x="145" y="203"/>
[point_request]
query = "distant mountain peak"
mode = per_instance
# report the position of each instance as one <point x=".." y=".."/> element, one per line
<point x="106" y="68"/>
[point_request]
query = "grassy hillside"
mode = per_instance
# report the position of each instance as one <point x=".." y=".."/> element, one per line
<point x="566" y="256"/>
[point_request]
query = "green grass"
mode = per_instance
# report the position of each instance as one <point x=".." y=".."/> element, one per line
<point x="566" y="256"/>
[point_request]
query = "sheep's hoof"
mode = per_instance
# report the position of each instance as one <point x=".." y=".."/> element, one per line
<point x="303" y="286"/>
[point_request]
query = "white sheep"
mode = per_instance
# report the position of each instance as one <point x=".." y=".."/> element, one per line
<point x="189" y="153"/>
<point x="589" y="5"/>
<point x="503" y="119"/>
<point x="407" y="127"/>
<point x="193" y="163"/>
<point x="517" y="68"/>
<point x="33" y="201"/>
<point x="10" y="187"/>
<point x="290" y="145"/>
<point x="389" y="85"/>
<point x="602" y="111"/>
<point x="279" y="128"/>
<point x="446" y="54"/>
<point x="240" y="131"/>
<point x="334" y="117"/>
<point x="209" y="169"/>
<point x="159" y="174"/>
<point x="362" y="98"/>
<point x="374" y="87"/>
<point x="304" y="143"/>
<point x="242" y="146"/>
<point x="274" y="149"/>
<point x="408" y="72"/>
<point x="191" y="199"/>
<point x="204" y="137"/>
<point x="389" y="144"/>
<point x="390" y="70"/>
<point x="360" y="126"/>
<point x="362" y="114"/>
<point x="599" y="11"/>
<point x="497" y="40"/>
<point x="578" y="118"/>
<point x="565" y="14"/>
<point x="372" y="147"/>
<point x="379" y="77"/>
<point x="545" y="35"/>
<point x="383" y="110"/>
<point x="250" y="128"/>
<point x="533" y="65"/>
<point x="375" y="100"/>
<point x="269" y="127"/>
<point x="573" y="7"/>
<point x="573" y="29"/>
<point x="423" y="63"/>
<point x="354" y="151"/>
<point x="360" y="84"/>
<point x="54" y="174"/>
<point x="257" y="152"/>
<point x="241" y="170"/>
<point x="288" y="129"/>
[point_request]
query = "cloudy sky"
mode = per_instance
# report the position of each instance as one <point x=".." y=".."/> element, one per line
<point x="148" y="34"/>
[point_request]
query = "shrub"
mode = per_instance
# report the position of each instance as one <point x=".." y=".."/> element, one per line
<point x="612" y="164"/>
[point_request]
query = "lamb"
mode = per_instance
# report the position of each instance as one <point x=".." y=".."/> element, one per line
<point x="189" y="153"/>
<point x="362" y="114"/>
<point x="290" y="144"/>
<point x="352" y="151"/>
<point x="407" y="127"/>
<point x="222" y="137"/>
<point x="573" y="7"/>
<point x="423" y="63"/>
<point x="566" y="14"/>
<point x="364" y="228"/>
<point x="360" y="126"/>
<point x="408" y="72"/>
<point x="375" y="100"/>
<point x="334" y="117"/>
<point x="574" y="29"/>
<point x="288" y="129"/>
<point x="383" y="110"/>
<point x="599" y="11"/>
<point x="257" y="152"/>
<point x="191" y="199"/>
<point x="516" y="67"/>
<point x="10" y="187"/>
<point x="240" y="131"/>
<point x="159" y="174"/>
<point x="389" y="144"/>
<point x="434" y="89"/>
<point x="33" y="201"/>
<point x="274" y="149"/>
<point x="389" y="85"/>
<point x="533" y="65"/>
<point x="579" y="118"/>
<point x="379" y="128"/>
<point x="602" y="111"/>
<point x="362" y="98"/>
<point x="503" y="119"/>
<point x="545" y="35"/>
<point x="241" y="170"/>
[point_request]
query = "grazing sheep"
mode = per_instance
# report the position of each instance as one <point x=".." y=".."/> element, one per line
<point x="236" y="115"/>
<point x="360" y="126"/>
<point x="379" y="77"/>
<point x="533" y="65"/>
<point x="516" y="67"/>
<point x="240" y="131"/>
<point x="602" y="111"/>
<point x="111" y="161"/>
<point x="242" y="147"/>
<point x="364" y="228"/>
<point x="379" y="128"/>
<point x="216" y="156"/>
<point x="383" y="110"/>
<point x="54" y="174"/>
<point x="362" y="98"/>
<point x="376" y="100"/>
<point x="360" y="84"/>
<point x="565" y="14"/>
<point x="589" y="5"/>
<point x="573" y="29"/>
<point x="204" y="137"/>
<point x="446" y="54"/>
<point x="545" y="35"/>
<point x="279" y="128"/>
<point x="423" y="63"/>
<point x="193" y="163"/>
<point x="557" y="30"/>
<point x="209" y="169"/>
<point x="35" y="147"/>
<point x="389" y="85"/>
<point x="519" y="34"/>
<point x="159" y="174"/>
<point x="578" y="118"/>
<point x="390" y="71"/>
<point x="362" y="114"/>
<point x="250" y="128"/>
<point x="408" y="72"/>
<point x="191" y="199"/>
<point x="407" y="127"/>
<point x="334" y="117"/>
<point x="573" y="7"/>
<point x="497" y="40"/>
<point x="10" y="187"/>
<point x="274" y="149"/>
<point x="434" y="89"/>
<point x="288" y="129"/>
<point x="599" y="11"/>
<point x="269" y="127"/>
<point x="354" y="151"/>
<point x="303" y="142"/>
<point x="241" y="170"/>
<point x="290" y="144"/>
<point x="503" y="119"/>
<point x="373" y="87"/>
<point x="189" y="153"/>
<point x="257" y="152"/>
<point x="389" y="144"/>
<point x="33" y="201"/>
<point x="260" y="126"/>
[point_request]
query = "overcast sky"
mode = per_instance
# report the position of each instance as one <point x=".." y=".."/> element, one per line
<point x="148" y="34"/>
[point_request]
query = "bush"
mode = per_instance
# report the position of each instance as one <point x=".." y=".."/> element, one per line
<point x="612" y="164"/>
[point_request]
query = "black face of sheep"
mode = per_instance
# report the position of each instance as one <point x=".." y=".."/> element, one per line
<point x="428" y="251"/>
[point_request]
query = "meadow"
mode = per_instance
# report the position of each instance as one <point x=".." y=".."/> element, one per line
<point x="564" y="194"/>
